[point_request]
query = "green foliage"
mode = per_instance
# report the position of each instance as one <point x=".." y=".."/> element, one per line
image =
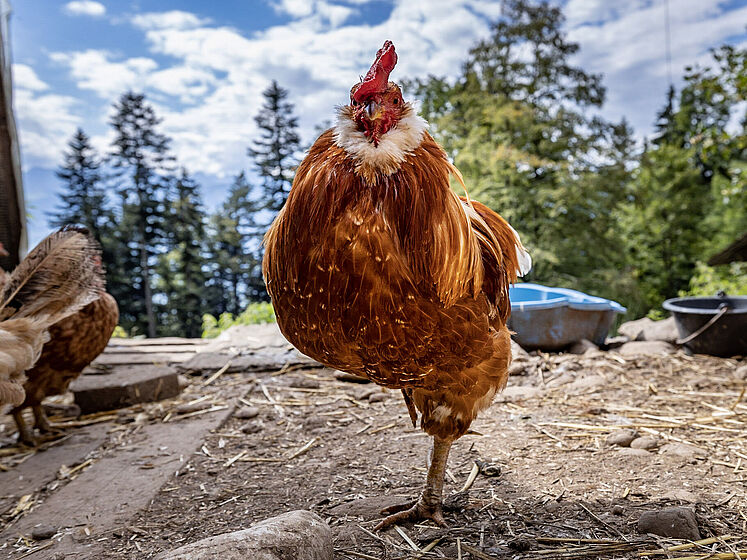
<point x="516" y="124"/>
<point x="709" y="280"/>
<point x="255" y="313"/>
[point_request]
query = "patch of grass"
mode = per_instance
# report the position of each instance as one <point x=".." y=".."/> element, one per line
<point x="254" y="314"/>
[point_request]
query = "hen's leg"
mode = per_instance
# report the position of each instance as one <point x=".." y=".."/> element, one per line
<point x="428" y="505"/>
<point x="41" y="420"/>
<point x="25" y="435"/>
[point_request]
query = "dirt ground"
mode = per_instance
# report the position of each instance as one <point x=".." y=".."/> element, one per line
<point x="548" y="484"/>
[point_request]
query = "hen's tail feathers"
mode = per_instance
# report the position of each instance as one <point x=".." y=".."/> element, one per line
<point x="21" y="342"/>
<point x="60" y="276"/>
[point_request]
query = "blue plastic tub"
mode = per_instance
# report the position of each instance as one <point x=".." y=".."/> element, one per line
<point x="553" y="318"/>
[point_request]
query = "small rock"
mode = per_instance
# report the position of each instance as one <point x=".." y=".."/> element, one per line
<point x="617" y="509"/>
<point x="584" y="384"/>
<point x="246" y="412"/>
<point x="192" y="407"/>
<point x="645" y="442"/>
<point x="644" y="348"/>
<point x="741" y="372"/>
<point x="489" y="469"/>
<point x="296" y="535"/>
<point x="377" y="397"/>
<point x="615" y="342"/>
<point x="622" y="438"/>
<point x="675" y="523"/>
<point x="682" y="496"/>
<point x="649" y="330"/>
<point x="251" y="428"/>
<point x="306" y="383"/>
<point x="632" y="452"/>
<point x="456" y="501"/>
<point x="552" y="506"/>
<point x="682" y="450"/>
<point x="582" y="346"/>
<point x="42" y="532"/>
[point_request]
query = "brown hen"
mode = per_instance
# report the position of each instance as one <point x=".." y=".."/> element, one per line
<point x="375" y="267"/>
<point x="59" y="277"/>
<point x="73" y="343"/>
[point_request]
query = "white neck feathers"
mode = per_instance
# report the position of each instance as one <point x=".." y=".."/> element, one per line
<point x="393" y="148"/>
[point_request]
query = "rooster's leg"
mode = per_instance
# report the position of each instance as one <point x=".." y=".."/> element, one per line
<point x="428" y="505"/>
<point x="41" y="421"/>
<point x="25" y="435"/>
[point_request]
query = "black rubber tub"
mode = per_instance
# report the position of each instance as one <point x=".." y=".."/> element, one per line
<point x="726" y="336"/>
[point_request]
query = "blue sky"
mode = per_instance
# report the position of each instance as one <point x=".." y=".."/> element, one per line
<point x="204" y="65"/>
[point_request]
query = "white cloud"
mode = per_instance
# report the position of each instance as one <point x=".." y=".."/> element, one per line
<point x="85" y="8"/>
<point x="45" y="123"/>
<point x="628" y="47"/>
<point x="210" y="87"/>
<point x="94" y="70"/>
<point x="175" y="19"/>
<point x="24" y="77"/>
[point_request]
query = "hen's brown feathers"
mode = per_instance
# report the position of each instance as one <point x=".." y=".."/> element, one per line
<point x="62" y="274"/>
<point x="58" y="277"/>
<point x="73" y="343"/>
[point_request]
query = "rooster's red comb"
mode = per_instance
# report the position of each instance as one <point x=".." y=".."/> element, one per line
<point x="377" y="77"/>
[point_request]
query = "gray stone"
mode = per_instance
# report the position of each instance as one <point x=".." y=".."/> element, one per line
<point x="675" y="523"/>
<point x="296" y="535"/>
<point x="377" y="397"/>
<point x="125" y="386"/>
<point x="622" y="438"/>
<point x="647" y="329"/>
<point x="615" y="342"/>
<point x="246" y="412"/>
<point x="682" y="496"/>
<point x="582" y="347"/>
<point x="42" y="532"/>
<point x="646" y="442"/>
<point x="632" y="452"/>
<point x="349" y="377"/>
<point x="682" y="450"/>
<point x="204" y="362"/>
<point x="643" y="348"/>
<point x="741" y="372"/>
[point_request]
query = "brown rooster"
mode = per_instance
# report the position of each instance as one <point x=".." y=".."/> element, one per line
<point x="59" y="277"/>
<point x="375" y="267"/>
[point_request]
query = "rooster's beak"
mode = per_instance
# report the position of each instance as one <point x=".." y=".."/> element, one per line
<point x="372" y="110"/>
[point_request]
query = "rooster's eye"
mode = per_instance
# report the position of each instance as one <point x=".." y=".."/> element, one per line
<point x="354" y="102"/>
<point x="396" y="100"/>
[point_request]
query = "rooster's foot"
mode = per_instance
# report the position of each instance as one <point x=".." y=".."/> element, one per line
<point x="412" y="512"/>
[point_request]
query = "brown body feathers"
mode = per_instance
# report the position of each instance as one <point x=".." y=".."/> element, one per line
<point x="377" y="268"/>
<point x="58" y="277"/>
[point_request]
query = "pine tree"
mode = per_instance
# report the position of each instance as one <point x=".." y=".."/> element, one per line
<point x="274" y="154"/>
<point x="181" y="268"/>
<point x="84" y="200"/>
<point x="141" y="155"/>
<point x="665" y="126"/>
<point x="235" y="237"/>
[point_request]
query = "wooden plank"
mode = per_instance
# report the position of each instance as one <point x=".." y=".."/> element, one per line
<point x="156" y="341"/>
<point x="154" y="349"/>
<point x="114" y="359"/>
